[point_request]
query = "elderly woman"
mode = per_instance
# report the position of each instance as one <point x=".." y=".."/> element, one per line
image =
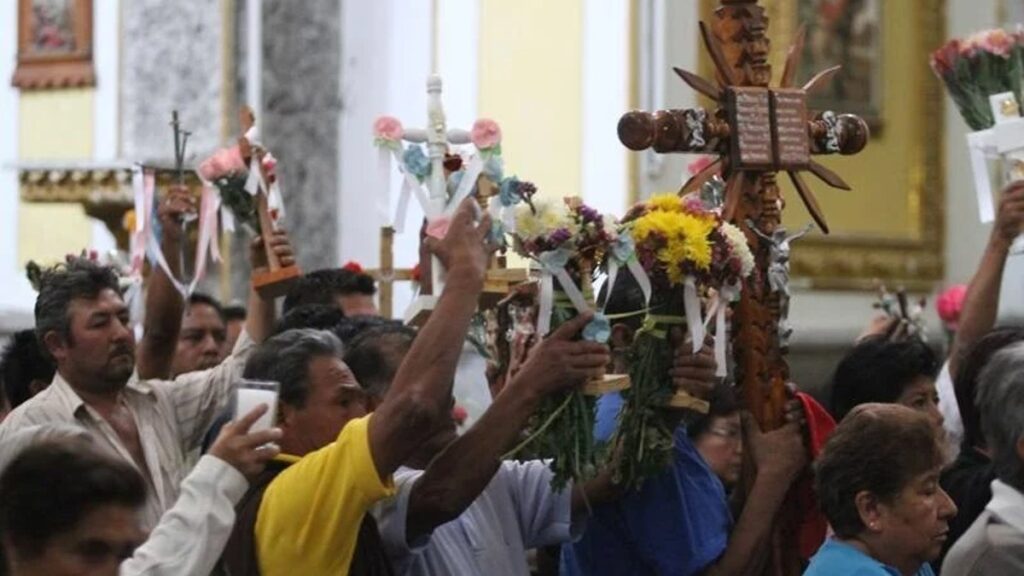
<point x="878" y="483"/>
<point x="718" y="435"/>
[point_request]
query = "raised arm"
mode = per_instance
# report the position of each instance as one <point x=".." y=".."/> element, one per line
<point x="421" y="392"/>
<point x="455" y="478"/>
<point x="164" y="304"/>
<point x="982" y="301"/>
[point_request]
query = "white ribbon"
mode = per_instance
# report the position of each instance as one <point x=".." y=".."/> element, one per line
<point x="980" y="148"/>
<point x="410" y="186"/>
<point x="143" y="211"/>
<point x="383" y="203"/>
<point x="726" y="295"/>
<point x="552" y="267"/>
<point x="469" y="178"/>
<point x="691" y="304"/>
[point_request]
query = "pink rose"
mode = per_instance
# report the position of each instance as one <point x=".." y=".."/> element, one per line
<point x="950" y="303"/>
<point x="997" y="42"/>
<point x="438" y="227"/>
<point x="387" y="128"/>
<point x="223" y="162"/>
<point x="486" y="134"/>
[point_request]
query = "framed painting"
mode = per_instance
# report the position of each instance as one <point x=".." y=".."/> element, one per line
<point x="845" y="33"/>
<point x="54" y="44"/>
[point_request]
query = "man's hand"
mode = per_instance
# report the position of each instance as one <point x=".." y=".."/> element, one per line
<point x="176" y="204"/>
<point x="893" y="328"/>
<point x="781" y="453"/>
<point x="1010" y="216"/>
<point x="247" y="453"/>
<point x="559" y="361"/>
<point x="281" y="246"/>
<point x="464" y="246"/>
<point x="695" y="373"/>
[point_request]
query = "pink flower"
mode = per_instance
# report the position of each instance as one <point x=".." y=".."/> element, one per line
<point x="997" y="42"/>
<point x="944" y="59"/>
<point x="269" y="164"/>
<point x="486" y="134"/>
<point x="387" y="128"/>
<point x="438" y="227"/>
<point x="459" y="414"/>
<point x="222" y="163"/>
<point x="950" y="303"/>
<point x="699" y="164"/>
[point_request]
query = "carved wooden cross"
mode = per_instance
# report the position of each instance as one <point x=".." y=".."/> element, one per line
<point x="757" y="132"/>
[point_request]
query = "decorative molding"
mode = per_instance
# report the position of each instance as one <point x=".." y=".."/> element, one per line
<point x="57" y="67"/>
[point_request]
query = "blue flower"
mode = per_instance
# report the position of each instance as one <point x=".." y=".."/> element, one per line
<point x="416" y="162"/>
<point x="599" y="329"/>
<point x="494" y="168"/>
<point x="624" y="248"/>
<point x="508" y="192"/>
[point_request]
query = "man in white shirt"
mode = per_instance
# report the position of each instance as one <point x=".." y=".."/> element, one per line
<point x="67" y="508"/>
<point x="82" y="322"/>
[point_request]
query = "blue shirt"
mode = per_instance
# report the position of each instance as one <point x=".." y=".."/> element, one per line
<point x="677" y="524"/>
<point x="837" y="559"/>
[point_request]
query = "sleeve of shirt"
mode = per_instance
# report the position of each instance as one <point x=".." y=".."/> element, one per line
<point x="545" y="516"/>
<point x="199" y="397"/>
<point x="607" y="414"/>
<point x="19" y="439"/>
<point x="392" y="516"/>
<point x="310" y="515"/>
<point x="191" y="535"/>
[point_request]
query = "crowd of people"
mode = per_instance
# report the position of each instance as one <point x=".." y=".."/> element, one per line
<point x="125" y="457"/>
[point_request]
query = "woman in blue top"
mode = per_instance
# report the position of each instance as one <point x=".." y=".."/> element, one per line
<point x="878" y="483"/>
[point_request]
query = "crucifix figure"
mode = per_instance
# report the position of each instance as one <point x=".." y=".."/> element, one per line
<point x="756" y="132"/>
<point x="778" y="273"/>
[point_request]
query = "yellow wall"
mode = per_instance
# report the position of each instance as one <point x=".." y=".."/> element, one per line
<point x="54" y="125"/>
<point x="531" y="83"/>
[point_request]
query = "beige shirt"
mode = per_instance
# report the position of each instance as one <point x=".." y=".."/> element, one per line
<point x="994" y="544"/>
<point x="171" y="416"/>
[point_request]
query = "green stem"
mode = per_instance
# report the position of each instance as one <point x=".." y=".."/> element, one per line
<point x="541" y="430"/>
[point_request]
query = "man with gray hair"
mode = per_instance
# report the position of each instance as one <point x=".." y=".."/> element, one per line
<point x="994" y="544"/>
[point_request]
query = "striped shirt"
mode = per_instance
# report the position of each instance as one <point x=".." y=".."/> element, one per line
<point x="171" y="417"/>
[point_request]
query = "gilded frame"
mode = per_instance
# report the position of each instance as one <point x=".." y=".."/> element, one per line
<point x="59" y="68"/>
<point x="912" y="257"/>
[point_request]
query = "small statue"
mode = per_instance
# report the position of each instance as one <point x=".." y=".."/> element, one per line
<point x="778" y="273"/>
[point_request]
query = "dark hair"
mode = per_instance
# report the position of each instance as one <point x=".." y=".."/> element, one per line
<point x="284" y="358"/>
<point x="315" y="316"/>
<point x="723" y="402"/>
<point x="878" y="370"/>
<point x="48" y="489"/>
<point x="965" y="381"/>
<point x="353" y="326"/>
<point x="626" y="298"/>
<point x="375" y="356"/>
<point x="324" y="286"/>
<point x="59" y="285"/>
<point x="234" y="312"/>
<point x="207" y="300"/>
<point x="877" y="448"/>
<point x="22" y="361"/>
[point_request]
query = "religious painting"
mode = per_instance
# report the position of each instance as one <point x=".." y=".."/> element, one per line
<point x="845" y="33"/>
<point x="54" y="44"/>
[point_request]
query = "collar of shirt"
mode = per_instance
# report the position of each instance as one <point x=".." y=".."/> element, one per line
<point x="70" y="402"/>
<point x="1008" y="504"/>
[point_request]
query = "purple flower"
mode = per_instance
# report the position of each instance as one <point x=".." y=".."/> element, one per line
<point x="559" y="236"/>
<point x="589" y="214"/>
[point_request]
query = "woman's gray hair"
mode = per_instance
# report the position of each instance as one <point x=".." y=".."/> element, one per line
<point x="285" y="358"/>
<point x="1000" y="399"/>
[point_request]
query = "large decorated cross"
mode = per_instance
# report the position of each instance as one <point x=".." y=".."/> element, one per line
<point x="756" y="132"/>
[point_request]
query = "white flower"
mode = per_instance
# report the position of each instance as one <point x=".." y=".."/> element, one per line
<point x="550" y="216"/>
<point x="740" y="249"/>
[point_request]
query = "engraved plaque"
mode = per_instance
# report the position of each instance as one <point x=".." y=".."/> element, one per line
<point x="750" y="117"/>
<point x="789" y="129"/>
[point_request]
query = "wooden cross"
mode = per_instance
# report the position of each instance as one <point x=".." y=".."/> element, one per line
<point x="757" y="132"/>
<point x="387" y="274"/>
<point x="276" y="280"/>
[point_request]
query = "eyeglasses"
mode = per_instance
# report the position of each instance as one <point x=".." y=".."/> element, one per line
<point x="731" y="434"/>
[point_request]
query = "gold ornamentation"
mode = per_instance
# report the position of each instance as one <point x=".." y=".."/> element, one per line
<point x="1009" y="108"/>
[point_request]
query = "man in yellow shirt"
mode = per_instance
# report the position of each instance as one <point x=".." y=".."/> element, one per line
<point x="308" y="514"/>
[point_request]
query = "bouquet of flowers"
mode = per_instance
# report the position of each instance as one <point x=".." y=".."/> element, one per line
<point x="228" y="171"/>
<point x="982" y="74"/>
<point x="980" y="66"/>
<point x="567" y="240"/>
<point x="686" y="251"/>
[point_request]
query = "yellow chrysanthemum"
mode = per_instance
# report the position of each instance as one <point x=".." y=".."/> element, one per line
<point x="665" y="203"/>
<point x="685" y="236"/>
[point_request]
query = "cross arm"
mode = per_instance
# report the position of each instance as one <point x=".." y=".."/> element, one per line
<point x="690" y="130"/>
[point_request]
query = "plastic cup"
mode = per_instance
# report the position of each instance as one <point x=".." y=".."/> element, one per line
<point x="250" y="394"/>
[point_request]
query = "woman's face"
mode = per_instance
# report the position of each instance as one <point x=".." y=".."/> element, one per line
<point x="721" y="446"/>
<point x="916" y="522"/>
<point x="922" y="396"/>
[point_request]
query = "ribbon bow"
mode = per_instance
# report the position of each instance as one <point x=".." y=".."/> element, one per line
<point x="624" y="253"/>
<point x="553" y="266"/>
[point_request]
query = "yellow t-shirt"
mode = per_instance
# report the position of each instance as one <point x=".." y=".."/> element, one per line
<point x="309" y="519"/>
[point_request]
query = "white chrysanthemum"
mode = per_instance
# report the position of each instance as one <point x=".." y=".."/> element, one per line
<point x="740" y="249"/>
<point x="550" y="216"/>
<point x="611" y="226"/>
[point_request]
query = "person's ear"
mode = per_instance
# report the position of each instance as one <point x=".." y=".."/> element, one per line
<point x="56" y="345"/>
<point x="871" y="511"/>
<point x="622" y="336"/>
<point x="285" y="415"/>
